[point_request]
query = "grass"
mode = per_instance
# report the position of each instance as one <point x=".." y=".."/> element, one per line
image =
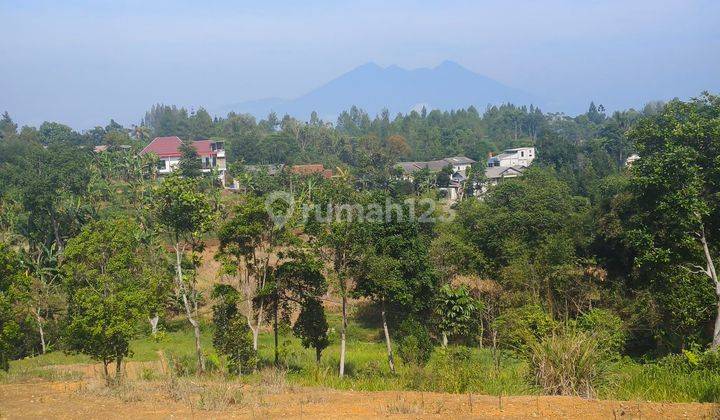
<point x="457" y="370"/>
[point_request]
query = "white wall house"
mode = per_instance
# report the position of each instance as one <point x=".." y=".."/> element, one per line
<point x="211" y="154"/>
<point x="521" y="156"/>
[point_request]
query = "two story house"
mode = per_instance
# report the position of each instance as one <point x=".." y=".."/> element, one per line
<point x="167" y="149"/>
<point x="521" y="156"/>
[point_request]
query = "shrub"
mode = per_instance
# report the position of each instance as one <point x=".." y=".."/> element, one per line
<point x="414" y="345"/>
<point x="183" y="365"/>
<point x="568" y="362"/>
<point x="607" y="327"/>
<point x="519" y="327"/>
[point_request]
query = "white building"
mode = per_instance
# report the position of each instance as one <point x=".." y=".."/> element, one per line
<point x="521" y="156"/>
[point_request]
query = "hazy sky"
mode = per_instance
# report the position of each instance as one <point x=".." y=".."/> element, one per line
<point x="84" y="62"/>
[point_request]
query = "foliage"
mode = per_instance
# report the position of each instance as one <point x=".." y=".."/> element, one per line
<point x="190" y="164"/>
<point x="13" y="285"/>
<point x="231" y="336"/>
<point x="414" y="343"/>
<point x="457" y="312"/>
<point x="520" y="327"/>
<point x="107" y="289"/>
<point x="605" y="326"/>
<point x="311" y="326"/>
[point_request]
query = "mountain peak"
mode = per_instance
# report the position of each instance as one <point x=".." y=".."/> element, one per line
<point x="371" y="65"/>
<point x="449" y="64"/>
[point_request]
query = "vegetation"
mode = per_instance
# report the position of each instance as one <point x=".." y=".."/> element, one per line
<point x="584" y="276"/>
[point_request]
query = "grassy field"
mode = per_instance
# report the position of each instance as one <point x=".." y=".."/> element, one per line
<point x="455" y="370"/>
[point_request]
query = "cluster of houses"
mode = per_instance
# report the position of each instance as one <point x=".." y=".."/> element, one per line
<point x="510" y="163"/>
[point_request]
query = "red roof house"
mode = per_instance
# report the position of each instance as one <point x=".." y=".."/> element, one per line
<point x="212" y="153"/>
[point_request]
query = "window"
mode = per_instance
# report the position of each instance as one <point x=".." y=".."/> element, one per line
<point x="161" y="165"/>
<point x="522" y="154"/>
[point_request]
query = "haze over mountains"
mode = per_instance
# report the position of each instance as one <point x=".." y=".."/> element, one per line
<point x="372" y="88"/>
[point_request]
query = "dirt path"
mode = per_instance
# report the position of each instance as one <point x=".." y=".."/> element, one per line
<point x="73" y="400"/>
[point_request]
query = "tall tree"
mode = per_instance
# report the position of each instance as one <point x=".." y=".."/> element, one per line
<point x="190" y="164"/>
<point x="249" y="243"/>
<point x="185" y="214"/>
<point x="13" y="289"/>
<point x="676" y="183"/>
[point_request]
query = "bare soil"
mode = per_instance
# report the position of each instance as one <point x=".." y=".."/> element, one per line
<point x="42" y="399"/>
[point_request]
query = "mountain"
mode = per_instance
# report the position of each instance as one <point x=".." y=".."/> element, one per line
<point x="372" y="88"/>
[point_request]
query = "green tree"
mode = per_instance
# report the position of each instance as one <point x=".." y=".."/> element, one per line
<point x="7" y="127"/>
<point x="185" y="214"/>
<point x="190" y="164"/>
<point x="13" y="287"/>
<point x="107" y="290"/>
<point x="676" y="184"/>
<point x="456" y="312"/>
<point x="312" y="326"/>
<point x="340" y="242"/>
<point x="293" y="283"/>
<point x="248" y="248"/>
<point x="231" y="336"/>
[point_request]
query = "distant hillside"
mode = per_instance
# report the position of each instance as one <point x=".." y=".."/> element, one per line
<point x="372" y="88"/>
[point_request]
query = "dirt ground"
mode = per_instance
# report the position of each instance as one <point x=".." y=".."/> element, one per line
<point x="42" y="399"/>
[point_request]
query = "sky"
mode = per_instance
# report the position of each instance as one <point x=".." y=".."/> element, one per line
<point x="82" y="62"/>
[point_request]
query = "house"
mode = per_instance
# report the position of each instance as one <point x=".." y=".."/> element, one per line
<point x="522" y="156"/>
<point x="167" y="149"/>
<point x="458" y="163"/>
<point x="632" y="159"/>
<point x="496" y="174"/>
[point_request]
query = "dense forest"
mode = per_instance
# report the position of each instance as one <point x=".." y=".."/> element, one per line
<point x="582" y="250"/>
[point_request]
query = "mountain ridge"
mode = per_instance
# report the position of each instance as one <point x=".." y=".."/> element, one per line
<point x="372" y="88"/>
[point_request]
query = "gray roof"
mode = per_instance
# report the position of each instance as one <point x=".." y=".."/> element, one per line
<point x="496" y="172"/>
<point x="434" y="165"/>
<point x="408" y="167"/>
<point x="459" y="160"/>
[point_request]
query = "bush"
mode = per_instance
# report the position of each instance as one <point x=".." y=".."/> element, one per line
<point x="414" y="345"/>
<point x="519" y="327"/>
<point x="693" y="360"/>
<point x="183" y="365"/>
<point x="568" y="362"/>
<point x="607" y="327"/>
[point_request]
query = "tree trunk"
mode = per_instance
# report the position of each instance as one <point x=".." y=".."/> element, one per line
<point x="56" y="232"/>
<point x="444" y="339"/>
<point x="343" y="329"/>
<point x="387" y="339"/>
<point x="713" y="276"/>
<point x="118" y="370"/>
<point x="188" y="310"/>
<point x="318" y="353"/>
<point x="154" y="324"/>
<point x="105" y="371"/>
<point x="275" y="330"/>
<point x="41" y="330"/>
